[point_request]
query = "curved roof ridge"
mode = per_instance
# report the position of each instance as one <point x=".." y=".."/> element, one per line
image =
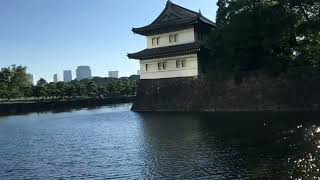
<point x="168" y="6"/>
<point x="184" y="9"/>
<point x="191" y="11"/>
<point x="174" y="13"/>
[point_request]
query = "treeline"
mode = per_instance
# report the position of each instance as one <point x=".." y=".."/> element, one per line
<point x="15" y="83"/>
<point x="265" y="35"/>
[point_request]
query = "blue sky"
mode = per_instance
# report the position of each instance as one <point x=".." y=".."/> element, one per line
<point x="49" y="36"/>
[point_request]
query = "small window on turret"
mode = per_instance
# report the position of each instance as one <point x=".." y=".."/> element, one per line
<point x="159" y="66"/>
<point x="158" y="40"/>
<point x="183" y="63"/>
<point x="178" y="63"/>
<point x="154" y="41"/>
<point x="175" y="38"/>
<point x="164" y="65"/>
<point x="171" y="39"/>
<point x="147" y="67"/>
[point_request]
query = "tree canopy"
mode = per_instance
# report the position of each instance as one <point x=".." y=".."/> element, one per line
<point x="88" y="88"/>
<point x="42" y="82"/>
<point x="269" y="35"/>
<point x="15" y="83"/>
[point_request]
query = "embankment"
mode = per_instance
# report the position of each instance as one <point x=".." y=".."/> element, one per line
<point x="56" y="106"/>
<point x="256" y="93"/>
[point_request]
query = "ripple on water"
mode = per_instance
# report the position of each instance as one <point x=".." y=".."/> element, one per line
<point x="114" y="143"/>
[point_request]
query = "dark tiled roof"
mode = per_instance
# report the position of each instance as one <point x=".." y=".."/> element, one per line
<point x="167" y="51"/>
<point x="173" y="17"/>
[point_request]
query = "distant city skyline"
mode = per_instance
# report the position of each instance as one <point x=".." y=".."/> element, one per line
<point x="67" y="75"/>
<point x="113" y="74"/>
<point x="55" y="35"/>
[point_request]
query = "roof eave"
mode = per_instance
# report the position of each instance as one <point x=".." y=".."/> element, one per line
<point x="150" y="30"/>
<point x="140" y="31"/>
<point x="164" y="55"/>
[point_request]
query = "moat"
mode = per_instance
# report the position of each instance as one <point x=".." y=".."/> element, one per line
<point x="113" y="142"/>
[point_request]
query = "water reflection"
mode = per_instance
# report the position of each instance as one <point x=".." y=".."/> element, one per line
<point x="179" y="146"/>
<point x="112" y="142"/>
<point x="232" y="145"/>
<point x="306" y="164"/>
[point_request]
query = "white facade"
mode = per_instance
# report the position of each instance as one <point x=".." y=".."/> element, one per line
<point x="171" y="70"/>
<point x="189" y="69"/>
<point x="113" y="74"/>
<point x="183" y="37"/>
<point x="67" y="76"/>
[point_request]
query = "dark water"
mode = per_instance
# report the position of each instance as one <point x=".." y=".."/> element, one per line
<point x="114" y="143"/>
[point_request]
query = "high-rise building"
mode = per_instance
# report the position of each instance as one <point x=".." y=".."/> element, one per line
<point x="83" y="72"/>
<point x="67" y="76"/>
<point x="55" y="78"/>
<point x="113" y="74"/>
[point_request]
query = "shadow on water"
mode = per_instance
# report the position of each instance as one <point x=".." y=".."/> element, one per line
<point x="64" y="109"/>
<point x="231" y="145"/>
<point x="20" y="108"/>
<point x="112" y="142"/>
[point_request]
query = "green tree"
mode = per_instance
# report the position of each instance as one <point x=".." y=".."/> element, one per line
<point x="91" y="89"/>
<point x="61" y="89"/>
<point x="101" y="91"/>
<point x="80" y="89"/>
<point x="42" y="82"/>
<point x="307" y="28"/>
<point x="40" y="91"/>
<point x="70" y="90"/>
<point x="52" y="90"/>
<point x="13" y="82"/>
<point x="265" y="35"/>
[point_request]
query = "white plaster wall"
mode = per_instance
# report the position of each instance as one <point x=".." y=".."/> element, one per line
<point x="190" y="70"/>
<point x="184" y="36"/>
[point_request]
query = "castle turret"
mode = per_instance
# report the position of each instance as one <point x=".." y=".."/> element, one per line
<point x="175" y="44"/>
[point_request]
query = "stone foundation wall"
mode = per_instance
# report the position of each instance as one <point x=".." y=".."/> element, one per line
<point x="257" y="93"/>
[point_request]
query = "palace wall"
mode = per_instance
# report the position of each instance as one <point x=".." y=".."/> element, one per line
<point x="253" y="94"/>
<point x="184" y="37"/>
<point x="191" y="68"/>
